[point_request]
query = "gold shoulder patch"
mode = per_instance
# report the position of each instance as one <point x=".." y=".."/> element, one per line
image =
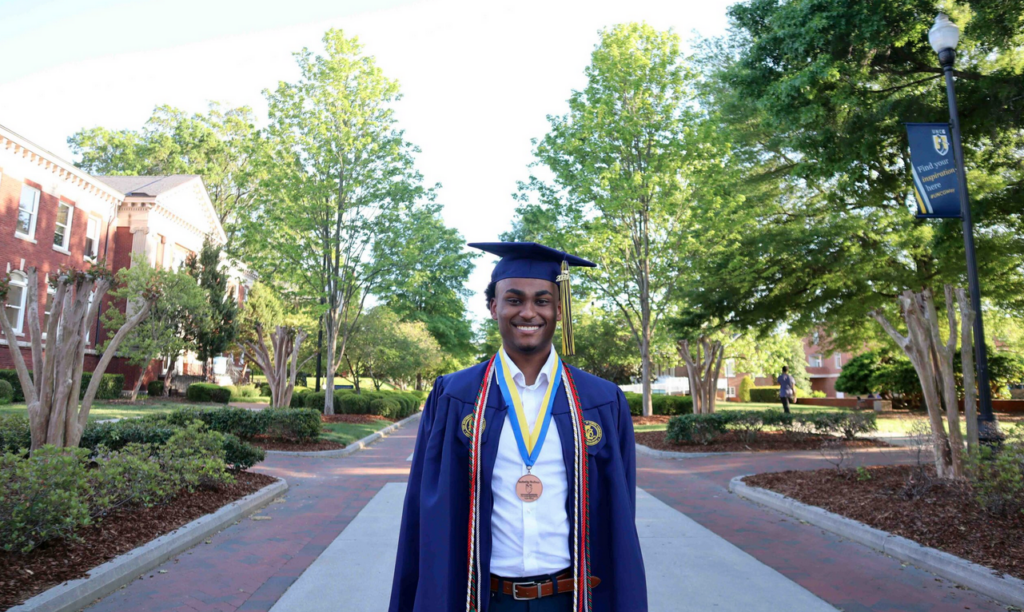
<point x="467" y="425"/>
<point x="592" y="431"/>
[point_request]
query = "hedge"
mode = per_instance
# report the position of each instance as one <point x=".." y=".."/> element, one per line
<point x="155" y="388"/>
<point x="704" y="428"/>
<point x="14" y="433"/>
<point x="244" y="392"/>
<point x="299" y="425"/>
<point x="661" y="404"/>
<point x="110" y="386"/>
<point x="6" y="392"/>
<point x="396" y="404"/>
<point x="208" y="392"/>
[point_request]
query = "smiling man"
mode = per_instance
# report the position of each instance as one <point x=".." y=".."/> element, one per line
<point x="522" y="492"/>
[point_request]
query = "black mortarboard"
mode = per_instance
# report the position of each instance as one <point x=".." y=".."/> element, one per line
<point x="532" y="260"/>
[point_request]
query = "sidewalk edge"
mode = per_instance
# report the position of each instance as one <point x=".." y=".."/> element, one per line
<point x="351" y="448"/>
<point x="107" y="578"/>
<point x="1001" y="587"/>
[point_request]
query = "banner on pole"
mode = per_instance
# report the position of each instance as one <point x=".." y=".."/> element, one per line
<point x="936" y="188"/>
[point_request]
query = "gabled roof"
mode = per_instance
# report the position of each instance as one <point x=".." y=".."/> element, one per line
<point x="150" y="186"/>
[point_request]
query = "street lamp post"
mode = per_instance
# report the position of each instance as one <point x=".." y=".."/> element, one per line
<point x="944" y="36"/>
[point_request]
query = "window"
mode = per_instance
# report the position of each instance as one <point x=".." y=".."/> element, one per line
<point x="816" y="338"/>
<point x="178" y="257"/>
<point x="730" y="367"/>
<point x="28" y="212"/>
<point x="92" y="238"/>
<point x="16" y="294"/>
<point x="731" y="392"/>
<point x="62" y="231"/>
<point x="839" y="360"/>
<point x="815" y="361"/>
<point x="51" y="294"/>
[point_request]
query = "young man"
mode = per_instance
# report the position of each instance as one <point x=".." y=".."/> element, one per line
<point x="522" y="492"/>
<point x="787" y="389"/>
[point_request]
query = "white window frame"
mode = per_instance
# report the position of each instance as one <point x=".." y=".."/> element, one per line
<point x="816" y="361"/>
<point x="730" y="392"/>
<point x="730" y="368"/>
<point x="839" y="360"/>
<point x="92" y="219"/>
<point x="31" y="235"/>
<point x="63" y="247"/>
<point x="51" y="295"/>
<point x="19" y="279"/>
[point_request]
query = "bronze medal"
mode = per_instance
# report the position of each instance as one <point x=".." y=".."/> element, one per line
<point x="529" y="488"/>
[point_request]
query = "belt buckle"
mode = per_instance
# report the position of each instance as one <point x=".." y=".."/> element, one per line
<point x="516" y="585"/>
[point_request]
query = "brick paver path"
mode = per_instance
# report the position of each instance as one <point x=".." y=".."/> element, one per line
<point x="250" y="565"/>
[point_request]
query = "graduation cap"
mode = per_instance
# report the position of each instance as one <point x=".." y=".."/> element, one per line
<point x="532" y="260"/>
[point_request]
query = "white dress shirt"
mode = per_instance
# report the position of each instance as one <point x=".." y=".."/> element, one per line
<point x="529" y="538"/>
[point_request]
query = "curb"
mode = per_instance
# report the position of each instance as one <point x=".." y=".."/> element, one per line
<point x="107" y="578"/>
<point x="1001" y="587"/>
<point x="351" y="448"/>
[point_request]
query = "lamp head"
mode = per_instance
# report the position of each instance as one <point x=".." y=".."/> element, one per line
<point x="944" y="34"/>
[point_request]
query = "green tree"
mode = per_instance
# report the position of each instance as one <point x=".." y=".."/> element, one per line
<point x="604" y="348"/>
<point x="215" y="335"/>
<point x="618" y="163"/>
<point x="385" y="348"/>
<point x="219" y="145"/>
<point x="339" y="189"/>
<point x="168" y="330"/>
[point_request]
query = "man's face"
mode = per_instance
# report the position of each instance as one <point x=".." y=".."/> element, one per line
<point x="527" y="311"/>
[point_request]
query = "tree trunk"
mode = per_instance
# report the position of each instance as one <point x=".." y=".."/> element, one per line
<point x="645" y="374"/>
<point x="138" y="379"/>
<point x="967" y="315"/>
<point x="170" y="376"/>
<point x="944" y="362"/>
<point x="279" y="363"/>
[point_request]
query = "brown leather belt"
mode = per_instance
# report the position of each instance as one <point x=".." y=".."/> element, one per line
<point x="535" y="590"/>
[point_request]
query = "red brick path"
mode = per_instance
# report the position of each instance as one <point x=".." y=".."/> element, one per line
<point x="251" y="564"/>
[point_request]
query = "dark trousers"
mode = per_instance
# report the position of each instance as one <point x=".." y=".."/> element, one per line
<point x="785" y="404"/>
<point x="561" y="602"/>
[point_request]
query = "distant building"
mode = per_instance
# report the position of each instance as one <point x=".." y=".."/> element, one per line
<point x="52" y="214"/>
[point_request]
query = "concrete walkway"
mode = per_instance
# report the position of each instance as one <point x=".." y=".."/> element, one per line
<point x="681" y="557"/>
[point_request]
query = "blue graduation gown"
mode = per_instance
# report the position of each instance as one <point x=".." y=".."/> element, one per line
<point x="430" y="572"/>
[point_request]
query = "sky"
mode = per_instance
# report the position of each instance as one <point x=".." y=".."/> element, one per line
<point x="478" y="78"/>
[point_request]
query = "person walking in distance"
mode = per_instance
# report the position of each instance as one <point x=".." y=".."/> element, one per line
<point x="787" y="389"/>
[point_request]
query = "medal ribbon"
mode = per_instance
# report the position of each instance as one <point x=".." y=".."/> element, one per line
<point x="529" y="441"/>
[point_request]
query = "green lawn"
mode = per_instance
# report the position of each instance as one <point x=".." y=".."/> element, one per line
<point x="347" y="433"/>
<point x="107" y="410"/>
<point x="365" y="384"/>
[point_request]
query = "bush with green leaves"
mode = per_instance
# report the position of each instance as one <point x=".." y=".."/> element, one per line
<point x="42" y="497"/>
<point x="700" y="428"/>
<point x="264" y="390"/>
<point x="997" y="475"/>
<point x="353" y="403"/>
<point x="15" y="434"/>
<point x="6" y="393"/>
<point x="208" y="392"/>
<point x="765" y="395"/>
<point x="704" y="428"/>
<point x="110" y="387"/>
<point x="743" y="393"/>
<point x="244" y="392"/>
<point x="671" y="405"/>
<point x="298" y="397"/>
<point x="194" y="457"/>
<point x="11" y="376"/>
<point x="155" y="388"/>
<point x="293" y="424"/>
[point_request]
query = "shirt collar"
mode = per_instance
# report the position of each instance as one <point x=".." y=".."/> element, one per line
<point x="520" y="378"/>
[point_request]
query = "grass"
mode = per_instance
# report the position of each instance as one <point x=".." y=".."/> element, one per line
<point x="107" y="410"/>
<point x="347" y="433"/>
<point x="365" y="384"/>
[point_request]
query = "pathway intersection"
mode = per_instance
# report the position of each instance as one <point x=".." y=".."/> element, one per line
<point x="330" y="545"/>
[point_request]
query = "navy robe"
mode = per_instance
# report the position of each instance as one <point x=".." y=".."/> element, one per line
<point x="430" y="572"/>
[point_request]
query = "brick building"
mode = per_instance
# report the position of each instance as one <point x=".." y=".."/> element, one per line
<point x="52" y="215"/>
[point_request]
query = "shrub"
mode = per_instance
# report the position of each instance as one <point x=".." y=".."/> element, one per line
<point x="744" y="390"/>
<point x="997" y="475"/>
<point x="671" y="404"/>
<point x="636" y="403"/>
<point x="287" y="423"/>
<point x="384" y="407"/>
<point x="314" y="400"/>
<point x="193" y="457"/>
<point x="233" y="390"/>
<point x="300" y="425"/>
<point x="702" y="428"/>
<point x="298" y="400"/>
<point x="207" y="392"/>
<point x="118" y="434"/>
<point x="818" y="394"/>
<point x="42" y="496"/>
<point x="265" y="390"/>
<point x="6" y="392"/>
<point x="11" y="376"/>
<point x="15" y="434"/>
<point x="131" y="475"/>
<point x="110" y="387"/>
<point x="248" y="391"/>
<point x="767" y="395"/>
<point x="241" y="455"/>
<point x="352" y="403"/>
<point x="155" y="388"/>
<point x="849" y="424"/>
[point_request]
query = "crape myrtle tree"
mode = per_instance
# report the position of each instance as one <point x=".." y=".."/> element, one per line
<point x="618" y="164"/>
<point x="218" y="145"/>
<point x="52" y="386"/>
<point x="339" y="190"/>
<point x="815" y="118"/>
<point x="180" y="309"/>
<point x="273" y="341"/>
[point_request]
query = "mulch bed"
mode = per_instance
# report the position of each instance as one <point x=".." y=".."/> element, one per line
<point x="353" y="418"/>
<point x="944" y="515"/>
<point x="278" y="444"/>
<point x="766" y="441"/>
<point x="651" y="420"/>
<point x="25" y="575"/>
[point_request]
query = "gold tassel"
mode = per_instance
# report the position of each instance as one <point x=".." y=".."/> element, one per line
<point x="568" y="343"/>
